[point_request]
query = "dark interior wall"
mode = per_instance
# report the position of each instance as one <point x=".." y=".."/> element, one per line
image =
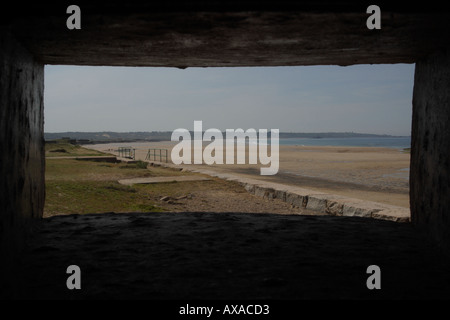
<point x="227" y="33"/>
<point x="22" y="188"/>
<point x="238" y="34"/>
<point x="430" y="154"/>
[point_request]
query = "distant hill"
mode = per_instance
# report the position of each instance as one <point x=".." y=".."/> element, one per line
<point x="320" y="135"/>
<point x="109" y="136"/>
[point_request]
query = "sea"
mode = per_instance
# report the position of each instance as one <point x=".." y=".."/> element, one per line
<point x="384" y="142"/>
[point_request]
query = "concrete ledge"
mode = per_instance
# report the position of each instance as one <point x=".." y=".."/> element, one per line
<point x="98" y="158"/>
<point x="151" y="180"/>
<point x="112" y="159"/>
<point x="324" y="203"/>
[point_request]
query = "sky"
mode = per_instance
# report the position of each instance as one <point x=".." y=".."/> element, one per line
<point x="361" y="98"/>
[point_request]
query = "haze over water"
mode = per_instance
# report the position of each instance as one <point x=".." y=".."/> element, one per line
<point x="385" y="142"/>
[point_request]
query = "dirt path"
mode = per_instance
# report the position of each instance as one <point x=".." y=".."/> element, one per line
<point x="216" y="195"/>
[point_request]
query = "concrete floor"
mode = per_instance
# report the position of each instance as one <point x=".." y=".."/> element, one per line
<point x="227" y="256"/>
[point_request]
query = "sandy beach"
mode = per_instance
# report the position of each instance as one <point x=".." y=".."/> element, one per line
<point x="239" y="246"/>
<point x="366" y="173"/>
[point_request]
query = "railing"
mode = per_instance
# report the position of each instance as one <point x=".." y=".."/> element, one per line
<point x="127" y="152"/>
<point x="157" y="155"/>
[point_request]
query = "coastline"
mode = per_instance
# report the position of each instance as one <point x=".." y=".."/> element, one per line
<point x="367" y="173"/>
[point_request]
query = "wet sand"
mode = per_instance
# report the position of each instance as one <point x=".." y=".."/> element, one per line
<point x="366" y="173"/>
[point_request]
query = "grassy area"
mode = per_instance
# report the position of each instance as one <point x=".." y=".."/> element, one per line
<point x="81" y="186"/>
<point x="67" y="197"/>
<point x="85" y="186"/>
<point x="64" y="149"/>
<point x="74" y="186"/>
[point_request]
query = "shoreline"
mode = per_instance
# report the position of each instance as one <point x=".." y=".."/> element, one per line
<point x="367" y="173"/>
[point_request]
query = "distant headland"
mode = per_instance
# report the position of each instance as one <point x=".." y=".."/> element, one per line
<point x="111" y="137"/>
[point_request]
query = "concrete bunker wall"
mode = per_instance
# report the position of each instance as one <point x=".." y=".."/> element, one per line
<point x="260" y="39"/>
<point x="22" y="190"/>
<point x="430" y="153"/>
